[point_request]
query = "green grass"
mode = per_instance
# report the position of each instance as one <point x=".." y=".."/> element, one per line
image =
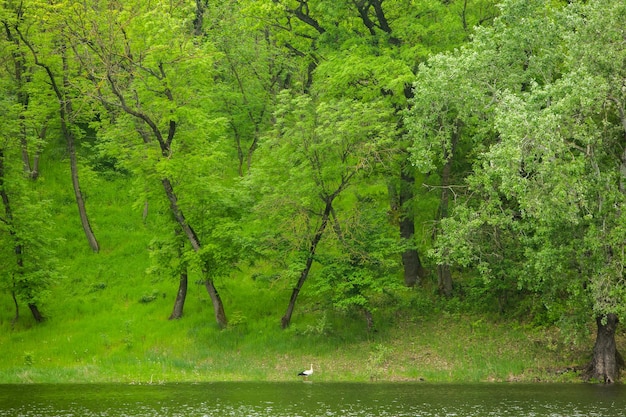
<point x="107" y="321"/>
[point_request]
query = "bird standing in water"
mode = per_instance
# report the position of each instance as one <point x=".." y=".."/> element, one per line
<point x="307" y="372"/>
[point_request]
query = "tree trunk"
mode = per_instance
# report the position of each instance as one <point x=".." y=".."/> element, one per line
<point x="607" y="362"/>
<point x="443" y="271"/>
<point x="18" y="249"/>
<point x="444" y="279"/>
<point x="36" y="313"/>
<point x="369" y="319"/>
<point x="78" y="194"/>
<point x="16" y="317"/>
<point x="181" y="296"/>
<point x="286" y="319"/>
<point x="413" y="269"/>
<point x="218" y="307"/>
<point x="65" y="113"/>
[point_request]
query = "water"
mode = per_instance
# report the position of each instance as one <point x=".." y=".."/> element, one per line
<point x="311" y="399"/>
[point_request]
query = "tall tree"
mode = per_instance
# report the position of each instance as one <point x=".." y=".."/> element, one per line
<point x="370" y="50"/>
<point x="34" y="116"/>
<point x="317" y="151"/>
<point x="547" y="189"/>
<point x="45" y="39"/>
<point x="251" y="70"/>
<point x="147" y="69"/>
<point x="27" y="258"/>
<point x="456" y="94"/>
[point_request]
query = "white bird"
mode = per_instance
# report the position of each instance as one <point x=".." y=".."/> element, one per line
<point x="307" y="372"/>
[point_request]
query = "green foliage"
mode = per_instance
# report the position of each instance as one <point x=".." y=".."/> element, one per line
<point x="545" y="195"/>
<point x="282" y="128"/>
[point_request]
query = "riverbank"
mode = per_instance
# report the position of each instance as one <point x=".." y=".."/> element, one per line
<point x="448" y="349"/>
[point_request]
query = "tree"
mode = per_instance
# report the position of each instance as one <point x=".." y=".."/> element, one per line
<point x="50" y="52"/>
<point x="251" y="70"/>
<point x="148" y="70"/>
<point x="547" y="190"/>
<point x="27" y="258"/>
<point x="317" y="151"/>
<point x="455" y="95"/>
<point x="369" y="50"/>
<point x="359" y="264"/>
<point x="35" y="114"/>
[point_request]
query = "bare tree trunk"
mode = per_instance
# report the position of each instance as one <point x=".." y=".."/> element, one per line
<point x="78" y="194"/>
<point x="66" y="112"/>
<point x="181" y="296"/>
<point x="607" y="362"/>
<point x="36" y="313"/>
<point x="413" y="269"/>
<point x="16" y="317"/>
<point x="218" y="306"/>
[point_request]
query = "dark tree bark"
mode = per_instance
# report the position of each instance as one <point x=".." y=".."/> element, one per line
<point x="218" y="306"/>
<point x="413" y="269"/>
<point x="198" y="21"/>
<point x="606" y="364"/>
<point x="381" y="22"/>
<point x="36" y="313"/>
<point x="16" y="317"/>
<point x="181" y="296"/>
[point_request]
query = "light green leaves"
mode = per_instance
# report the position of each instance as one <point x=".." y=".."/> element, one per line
<point x="546" y="202"/>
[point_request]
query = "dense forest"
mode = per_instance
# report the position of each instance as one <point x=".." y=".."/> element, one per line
<point x="344" y="149"/>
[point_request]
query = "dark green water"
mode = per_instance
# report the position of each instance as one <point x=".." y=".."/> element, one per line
<point x="311" y="399"/>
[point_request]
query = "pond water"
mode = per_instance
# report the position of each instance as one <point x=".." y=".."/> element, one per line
<point x="311" y="399"/>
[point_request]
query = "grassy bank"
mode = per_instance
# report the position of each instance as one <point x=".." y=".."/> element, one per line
<point x="109" y="334"/>
<point x="146" y="348"/>
<point x="107" y="321"/>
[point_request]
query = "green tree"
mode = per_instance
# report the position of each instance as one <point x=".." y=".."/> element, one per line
<point x="317" y="151"/>
<point x="371" y="50"/>
<point x="456" y="94"/>
<point x="150" y="72"/>
<point x="27" y="258"/>
<point x="35" y="110"/>
<point x="45" y="38"/>
<point x="250" y="71"/>
<point x="548" y="191"/>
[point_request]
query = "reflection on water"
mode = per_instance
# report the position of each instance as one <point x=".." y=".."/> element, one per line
<point x="311" y="399"/>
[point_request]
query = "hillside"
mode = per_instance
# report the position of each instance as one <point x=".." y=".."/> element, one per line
<point x="106" y="320"/>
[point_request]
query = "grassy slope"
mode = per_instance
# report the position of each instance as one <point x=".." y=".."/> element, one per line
<point x="98" y="328"/>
